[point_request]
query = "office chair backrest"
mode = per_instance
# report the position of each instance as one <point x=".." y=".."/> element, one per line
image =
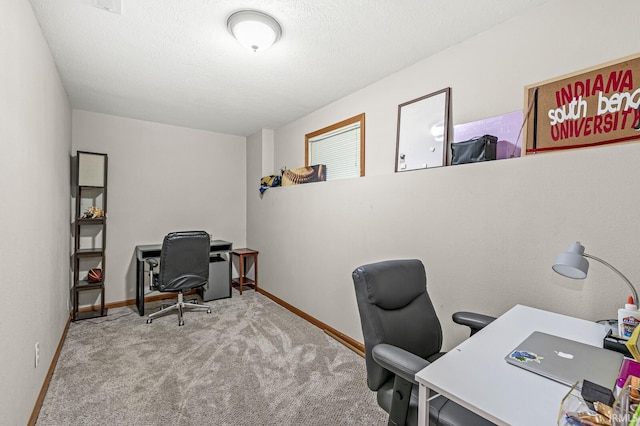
<point x="184" y="261"/>
<point x="395" y="308"/>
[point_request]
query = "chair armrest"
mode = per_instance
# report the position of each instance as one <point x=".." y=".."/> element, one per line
<point x="475" y="322"/>
<point x="398" y="361"/>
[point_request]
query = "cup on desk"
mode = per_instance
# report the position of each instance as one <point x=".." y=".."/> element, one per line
<point x="629" y="368"/>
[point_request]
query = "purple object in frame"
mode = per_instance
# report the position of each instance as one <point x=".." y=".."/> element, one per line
<point x="505" y="127"/>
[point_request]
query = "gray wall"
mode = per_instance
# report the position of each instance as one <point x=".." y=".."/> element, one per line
<point x="161" y="179"/>
<point x="487" y="233"/>
<point x="35" y="136"/>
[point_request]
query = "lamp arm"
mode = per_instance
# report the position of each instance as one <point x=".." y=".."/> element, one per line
<point x="626" y="280"/>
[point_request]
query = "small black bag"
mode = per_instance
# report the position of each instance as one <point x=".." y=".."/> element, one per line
<point x="482" y="148"/>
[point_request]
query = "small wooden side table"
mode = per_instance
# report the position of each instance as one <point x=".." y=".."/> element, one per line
<point x="242" y="279"/>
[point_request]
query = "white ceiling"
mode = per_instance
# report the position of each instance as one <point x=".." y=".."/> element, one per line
<point x="173" y="61"/>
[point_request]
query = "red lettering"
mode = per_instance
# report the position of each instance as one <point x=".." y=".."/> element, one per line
<point x="587" y="127"/>
<point x="614" y="79"/>
<point x="608" y="123"/>
<point x="625" y="113"/>
<point x="591" y="125"/>
<point x="566" y="95"/>
<point x="627" y="82"/>
<point x="580" y="90"/>
<point x="564" y="130"/>
<point x="619" y="82"/>
<point x="598" y="84"/>
<point x="579" y="125"/>
<point x="597" y="124"/>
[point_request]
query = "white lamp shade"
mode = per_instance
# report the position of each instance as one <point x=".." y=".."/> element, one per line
<point x="254" y="30"/>
<point x="572" y="263"/>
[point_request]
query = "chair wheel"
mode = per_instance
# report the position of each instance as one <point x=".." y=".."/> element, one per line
<point x="180" y="324"/>
<point x="149" y="320"/>
<point x="209" y="310"/>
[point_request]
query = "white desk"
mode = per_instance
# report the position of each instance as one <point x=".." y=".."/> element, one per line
<point x="475" y="375"/>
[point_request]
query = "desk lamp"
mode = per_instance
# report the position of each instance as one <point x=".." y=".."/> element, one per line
<point x="572" y="264"/>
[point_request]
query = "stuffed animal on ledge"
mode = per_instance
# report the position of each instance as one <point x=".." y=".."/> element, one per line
<point x="92" y="213"/>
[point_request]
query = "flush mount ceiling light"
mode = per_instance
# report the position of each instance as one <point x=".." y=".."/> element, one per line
<point x="254" y="30"/>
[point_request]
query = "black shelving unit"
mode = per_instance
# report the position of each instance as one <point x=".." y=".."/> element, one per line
<point x="90" y="191"/>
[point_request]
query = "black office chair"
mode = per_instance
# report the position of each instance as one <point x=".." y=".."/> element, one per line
<point x="402" y="335"/>
<point x="184" y="265"/>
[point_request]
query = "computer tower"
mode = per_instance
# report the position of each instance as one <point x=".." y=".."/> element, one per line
<point x="219" y="279"/>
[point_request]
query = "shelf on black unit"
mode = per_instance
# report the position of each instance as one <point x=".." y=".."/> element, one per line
<point x="89" y="252"/>
<point x="90" y="221"/>
<point x="86" y="285"/>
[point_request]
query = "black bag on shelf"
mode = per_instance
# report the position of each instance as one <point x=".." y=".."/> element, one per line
<point x="482" y="148"/>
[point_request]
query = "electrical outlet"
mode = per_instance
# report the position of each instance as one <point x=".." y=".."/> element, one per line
<point x="37" y="354"/>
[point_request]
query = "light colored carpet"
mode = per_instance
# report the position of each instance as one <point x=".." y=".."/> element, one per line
<point x="250" y="362"/>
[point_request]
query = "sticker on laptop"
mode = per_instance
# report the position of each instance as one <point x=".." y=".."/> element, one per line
<point x="524" y="356"/>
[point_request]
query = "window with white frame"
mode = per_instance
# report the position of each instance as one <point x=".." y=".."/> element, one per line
<point x="340" y="147"/>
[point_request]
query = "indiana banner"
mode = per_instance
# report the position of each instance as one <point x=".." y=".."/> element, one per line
<point x="593" y="107"/>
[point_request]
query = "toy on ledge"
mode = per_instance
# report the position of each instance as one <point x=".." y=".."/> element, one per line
<point x="92" y="213"/>
<point x="309" y="174"/>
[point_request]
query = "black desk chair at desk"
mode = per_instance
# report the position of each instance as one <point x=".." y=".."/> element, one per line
<point x="184" y="265"/>
<point x="402" y="335"/>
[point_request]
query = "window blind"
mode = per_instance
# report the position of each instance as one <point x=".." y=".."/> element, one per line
<point x="339" y="150"/>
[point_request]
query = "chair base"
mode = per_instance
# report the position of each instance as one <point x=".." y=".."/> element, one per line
<point x="179" y="306"/>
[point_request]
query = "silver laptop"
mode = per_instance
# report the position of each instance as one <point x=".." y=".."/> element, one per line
<point x="566" y="361"/>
